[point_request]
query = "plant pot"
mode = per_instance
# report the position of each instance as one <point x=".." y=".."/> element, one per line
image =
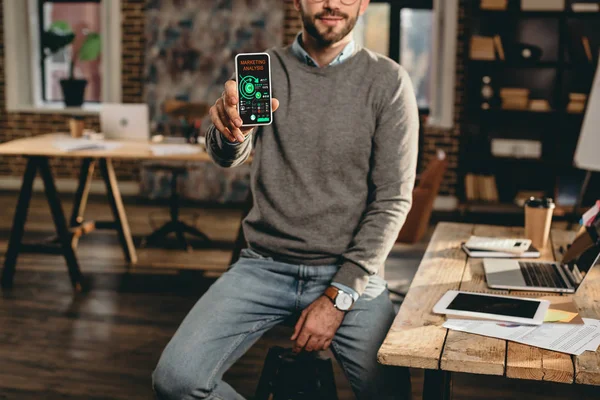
<point x="73" y="91"/>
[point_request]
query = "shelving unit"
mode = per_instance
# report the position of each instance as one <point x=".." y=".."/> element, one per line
<point x="561" y="69"/>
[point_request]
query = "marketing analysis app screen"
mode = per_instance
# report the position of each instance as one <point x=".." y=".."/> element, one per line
<point x="254" y="89"/>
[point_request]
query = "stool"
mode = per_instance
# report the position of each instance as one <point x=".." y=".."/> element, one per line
<point x="305" y="376"/>
<point x="174" y="225"/>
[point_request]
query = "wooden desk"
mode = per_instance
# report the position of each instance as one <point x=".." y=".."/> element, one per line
<point x="417" y="338"/>
<point x="38" y="150"/>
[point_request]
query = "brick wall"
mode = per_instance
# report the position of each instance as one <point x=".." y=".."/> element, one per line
<point x="447" y="140"/>
<point x="17" y="125"/>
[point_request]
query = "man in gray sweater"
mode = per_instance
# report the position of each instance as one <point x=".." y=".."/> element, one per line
<point x="332" y="181"/>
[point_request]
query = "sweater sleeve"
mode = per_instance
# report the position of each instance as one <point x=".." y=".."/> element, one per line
<point x="227" y="154"/>
<point x="391" y="181"/>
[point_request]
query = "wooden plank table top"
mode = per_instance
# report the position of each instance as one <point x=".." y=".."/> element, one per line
<point x="418" y="340"/>
<point x="43" y="145"/>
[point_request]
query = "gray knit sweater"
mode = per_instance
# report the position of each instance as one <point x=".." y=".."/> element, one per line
<point x="332" y="177"/>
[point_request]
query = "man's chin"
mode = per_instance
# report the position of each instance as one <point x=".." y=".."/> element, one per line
<point x="329" y="36"/>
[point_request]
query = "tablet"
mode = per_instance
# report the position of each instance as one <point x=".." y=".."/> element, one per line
<point x="493" y="307"/>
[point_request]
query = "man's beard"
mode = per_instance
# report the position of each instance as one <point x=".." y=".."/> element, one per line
<point x="329" y="36"/>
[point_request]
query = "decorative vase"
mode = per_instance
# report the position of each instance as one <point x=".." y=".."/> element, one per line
<point x="73" y="91"/>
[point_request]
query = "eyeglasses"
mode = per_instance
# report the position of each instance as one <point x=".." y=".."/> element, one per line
<point x="344" y="2"/>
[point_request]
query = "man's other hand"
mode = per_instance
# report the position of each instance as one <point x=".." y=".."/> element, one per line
<point x="225" y="117"/>
<point x="317" y="326"/>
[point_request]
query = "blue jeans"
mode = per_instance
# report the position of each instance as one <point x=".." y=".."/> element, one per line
<point x="256" y="294"/>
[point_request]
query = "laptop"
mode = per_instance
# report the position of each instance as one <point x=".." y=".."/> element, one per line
<point x="541" y="276"/>
<point x="125" y="122"/>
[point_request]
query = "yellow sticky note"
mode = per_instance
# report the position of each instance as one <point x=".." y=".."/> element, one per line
<point x="559" y="316"/>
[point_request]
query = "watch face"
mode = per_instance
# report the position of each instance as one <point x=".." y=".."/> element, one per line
<point x="343" y="301"/>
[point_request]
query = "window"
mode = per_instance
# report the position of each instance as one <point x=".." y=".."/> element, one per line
<point x="33" y="77"/>
<point x="421" y="36"/>
<point x="403" y="33"/>
<point x="83" y="17"/>
<point x="415" y="50"/>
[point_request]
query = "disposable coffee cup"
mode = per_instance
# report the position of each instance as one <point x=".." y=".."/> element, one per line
<point x="538" y="219"/>
<point x="76" y="125"/>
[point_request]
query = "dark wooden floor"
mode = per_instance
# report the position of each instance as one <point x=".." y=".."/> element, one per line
<point x="104" y="344"/>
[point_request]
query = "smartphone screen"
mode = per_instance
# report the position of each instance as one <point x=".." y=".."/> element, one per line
<point x="494" y="305"/>
<point x="253" y="75"/>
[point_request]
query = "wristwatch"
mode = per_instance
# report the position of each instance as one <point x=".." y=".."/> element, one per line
<point x="341" y="300"/>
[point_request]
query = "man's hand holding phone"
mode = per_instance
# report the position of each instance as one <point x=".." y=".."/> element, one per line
<point x="225" y="116"/>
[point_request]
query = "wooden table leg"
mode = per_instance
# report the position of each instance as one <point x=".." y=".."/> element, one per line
<point x="64" y="235"/>
<point x="437" y="385"/>
<point x="86" y="175"/>
<point x="116" y="204"/>
<point x="18" y="226"/>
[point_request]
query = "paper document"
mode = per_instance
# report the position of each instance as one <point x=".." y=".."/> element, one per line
<point x="74" y="144"/>
<point x="170" y="149"/>
<point x="565" y="338"/>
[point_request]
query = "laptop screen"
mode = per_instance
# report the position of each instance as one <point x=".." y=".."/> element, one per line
<point x="578" y="268"/>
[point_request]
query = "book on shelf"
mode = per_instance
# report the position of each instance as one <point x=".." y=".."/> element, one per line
<point x="539" y="105"/>
<point x="514" y="98"/>
<point x="499" y="47"/>
<point x="491" y="190"/>
<point x="516" y="148"/>
<point x="576" y="107"/>
<point x="470" y="187"/>
<point x="516" y="103"/>
<point x="578" y="97"/>
<point x="542" y="5"/>
<point x="585" y="7"/>
<point x="514" y="92"/>
<point x="576" y="103"/>
<point x="482" y="48"/>
<point x="586" y="47"/>
<point x="493" y="5"/>
<point x="481" y="188"/>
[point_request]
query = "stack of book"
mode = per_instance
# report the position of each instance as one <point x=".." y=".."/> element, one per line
<point x="492" y="247"/>
<point x="481" y="188"/>
<point x="485" y="48"/>
<point x="539" y="105"/>
<point x="576" y="103"/>
<point x="514" y="98"/>
<point x="495" y="5"/>
<point x="542" y="5"/>
<point x="585" y="7"/>
<point x="482" y="48"/>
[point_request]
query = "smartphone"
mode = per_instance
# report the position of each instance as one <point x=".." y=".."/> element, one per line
<point x="253" y="77"/>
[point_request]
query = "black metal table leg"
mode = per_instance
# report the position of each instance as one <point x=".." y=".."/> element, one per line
<point x="437" y="385"/>
<point x="64" y="236"/>
<point x="116" y="205"/>
<point x="86" y="175"/>
<point x="18" y="226"/>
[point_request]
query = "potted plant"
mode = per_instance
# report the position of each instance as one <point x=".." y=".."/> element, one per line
<point x="60" y="35"/>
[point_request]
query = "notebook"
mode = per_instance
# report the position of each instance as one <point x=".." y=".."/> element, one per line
<point x="531" y="252"/>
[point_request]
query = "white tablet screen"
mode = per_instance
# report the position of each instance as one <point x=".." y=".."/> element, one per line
<point x="494" y="305"/>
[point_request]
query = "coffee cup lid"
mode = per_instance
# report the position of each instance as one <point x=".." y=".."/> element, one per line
<point x="537" y="202"/>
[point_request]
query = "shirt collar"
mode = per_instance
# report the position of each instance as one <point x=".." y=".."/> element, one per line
<point x="303" y="56"/>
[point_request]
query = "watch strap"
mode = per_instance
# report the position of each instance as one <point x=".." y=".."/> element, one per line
<point x="332" y="293"/>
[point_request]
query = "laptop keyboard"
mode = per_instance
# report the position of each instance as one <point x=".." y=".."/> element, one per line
<point x="541" y="275"/>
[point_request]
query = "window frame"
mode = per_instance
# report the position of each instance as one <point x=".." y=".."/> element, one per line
<point x="38" y="32"/>
<point x="395" y="43"/>
<point x="22" y="70"/>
